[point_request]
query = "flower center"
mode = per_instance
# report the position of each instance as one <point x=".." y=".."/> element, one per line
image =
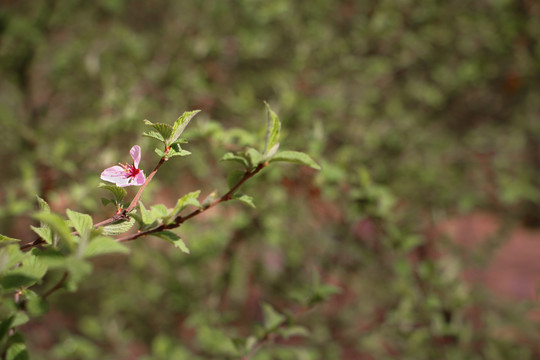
<point x="130" y="170"/>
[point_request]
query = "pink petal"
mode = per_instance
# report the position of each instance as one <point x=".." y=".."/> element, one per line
<point x="135" y="153"/>
<point x="112" y="173"/>
<point x="139" y="179"/>
<point x="115" y="174"/>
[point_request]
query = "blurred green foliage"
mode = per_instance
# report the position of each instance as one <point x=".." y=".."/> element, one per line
<point x="417" y="111"/>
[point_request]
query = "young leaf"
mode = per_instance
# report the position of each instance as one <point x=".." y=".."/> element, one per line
<point x="5" y="325"/>
<point x="293" y="331"/>
<point x="17" y="351"/>
<point x="35" y="304"/>
<point x="146" y="215"/>
<point x="154" y="135"/>
<point x="165" y="130"/>
<point x="272" y="319"/>
<point x="16" y="280"/>
<point x="159" y="211"/>
<point x="78" y="269"/>
<point x="295" y="157"/>
<point x="119" y="227"/>
<point x="246" y="199"/>
<point x="118" y="192"/>
<point x="104" y="245"/>
<point x="43" y="206"/>
<point x="161" y="153"/>
<point x="31" y="271"/>
<point x="254" y="157"/>
<point x="58" y="225"/>
<point x="9" y="256"/>
<point x="180" y="125"/>
<point x="81" y="222"/>
<point x="5" y="240"/>
<point x="173" y="239"/>
<point x="270" y="153"/>
<point x="20" y="319"/>
<point x="43" y="232"/>
<point x="237" y="158"/>
<point x="51" y="257"/>
<point x="273" y="128"/>
<point x="209" y="199"/>
<point x="184" y="201"/>
<point x="176" y="150"/>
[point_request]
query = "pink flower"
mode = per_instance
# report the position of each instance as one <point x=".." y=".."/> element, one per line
<point x="124" y="174"/>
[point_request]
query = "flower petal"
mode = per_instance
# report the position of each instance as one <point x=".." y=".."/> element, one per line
<point x="115" y="174"/>
<point x="135" y="153"/>
<point x="139" y="179"/>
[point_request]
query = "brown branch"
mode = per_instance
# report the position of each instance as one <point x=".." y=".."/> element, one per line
<point x="57" y="286"/>
<point x="135" y="200"/>
<point x="181" y="219"/>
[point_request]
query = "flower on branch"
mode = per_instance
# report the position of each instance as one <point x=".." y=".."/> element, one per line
<point x="125" y="174"/>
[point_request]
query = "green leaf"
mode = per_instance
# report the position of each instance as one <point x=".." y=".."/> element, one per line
<point x="58" y="225"/>
<point x="209" y="199"/>
<point x="293" y="331"/>
<point x="323" y="292"/>
<point x="81" y="222"/>
<point x="246" y="199"/>
<point x="35" y="304"/>
<point x="104" y="245"/>
<point x="185" y="201"/>
<point x="251" y="341"/>
<point x="10" y="256"/>
<point x="236" y="158"/>
<point x="17" y="351"/>
<point x="78" y="269"/>
<point x="165" y="130"/>
<point x="179" y="141"/>
<point x="173" y="239"/>
<point x="154" y="135"/>
<point x="15" y="280"/>
<point x="146" y="215"/>
<point x="51" y="257"/>
<point x="272" y="319"/>
<point x="176" y="150"/>
<point x="295" y="157"/>
<point x="43" y="206"/>
<point x="254" y="157"/>
<point x="118" y="228"/>
<point x="43" y="232"/>
<point x="160" y="153"/>
<point x="119" y="193"/>
<point x="273" y="128"/>
<point x="270" y="154"/>
<point x="31" y="271"/>
<point x="180" y="125"/>
<point x="20" y="319"/>
<point x="159" y="211"/>
<point x="5" y="240"/>
<point x="5" y="326"/>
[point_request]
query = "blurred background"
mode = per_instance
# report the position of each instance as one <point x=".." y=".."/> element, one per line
<point x="424" y="116"/>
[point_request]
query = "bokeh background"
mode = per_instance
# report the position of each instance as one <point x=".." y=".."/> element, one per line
<point x="424" y="116"/>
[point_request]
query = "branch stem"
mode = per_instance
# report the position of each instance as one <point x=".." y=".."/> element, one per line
<point x="181" y="219"/>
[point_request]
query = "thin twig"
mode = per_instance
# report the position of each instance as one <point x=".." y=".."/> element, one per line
<point x="57" y="286"/>
<point x="135" y="200"/>
<point x="181" y="219"/>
